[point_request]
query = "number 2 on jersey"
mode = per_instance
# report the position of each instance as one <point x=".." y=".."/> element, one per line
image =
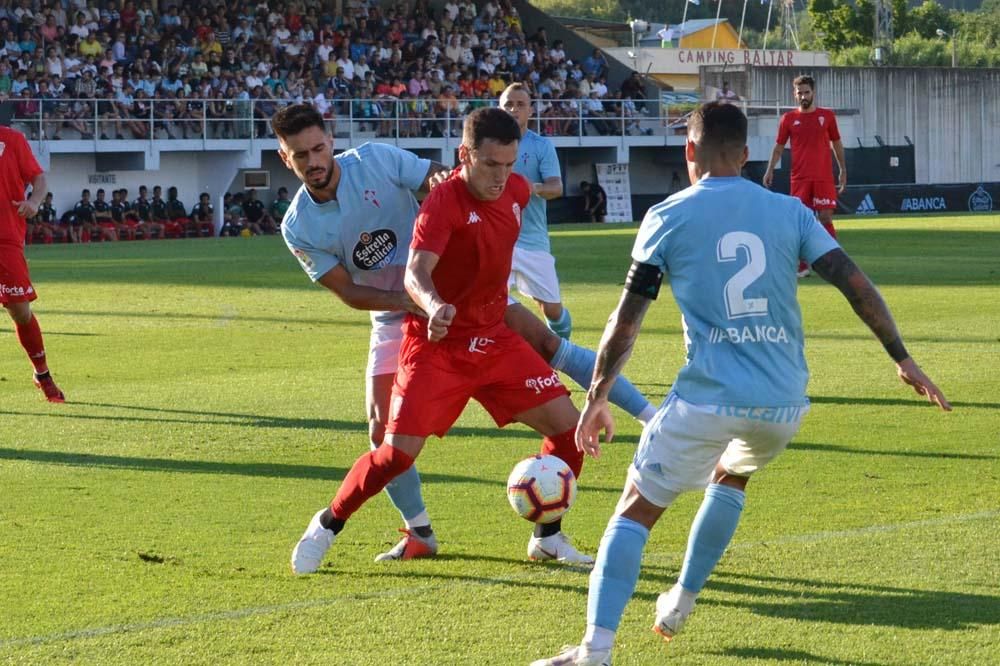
<point x="737" y="305"/>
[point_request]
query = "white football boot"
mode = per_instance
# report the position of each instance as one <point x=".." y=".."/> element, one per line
<point x="311" y="548"/>
<point x="672" y="610"/>
<point x="556" y="547"/>
<point x="577" y="655"/>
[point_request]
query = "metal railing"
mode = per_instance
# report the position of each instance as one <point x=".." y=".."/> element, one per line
<point x="46" y="119"/>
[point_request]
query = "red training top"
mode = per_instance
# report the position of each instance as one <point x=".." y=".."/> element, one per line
<point x="18" y="167"/>
<point x="811" y="134"/>
<point x="475" y="242"/>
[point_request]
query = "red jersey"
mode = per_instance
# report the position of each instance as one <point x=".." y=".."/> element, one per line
<point x="811" y="134"/>
<point x="475" y="242"/>
<point x="18" y="167"/>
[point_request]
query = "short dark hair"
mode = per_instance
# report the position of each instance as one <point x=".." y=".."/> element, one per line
<point x="295" y="118"/>
<point x="489" y="123"/>
<point x="718" y="127"/>
<point x="806" y="80"/>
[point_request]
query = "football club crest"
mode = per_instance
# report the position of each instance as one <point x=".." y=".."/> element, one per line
<point x="516" y="208"/>
<point x="980" y="201"/>
<point x="371" y="198"/>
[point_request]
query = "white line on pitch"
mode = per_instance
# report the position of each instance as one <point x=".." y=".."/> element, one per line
<point x="241" y="613"/>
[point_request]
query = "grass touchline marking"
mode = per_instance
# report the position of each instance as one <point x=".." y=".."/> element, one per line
<point x="237" y="614"/>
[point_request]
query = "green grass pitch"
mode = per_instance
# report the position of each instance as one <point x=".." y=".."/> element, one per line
<point x="216" y="400"/>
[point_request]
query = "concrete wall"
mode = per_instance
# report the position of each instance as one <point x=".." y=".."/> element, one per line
<point x="951" y="115"/>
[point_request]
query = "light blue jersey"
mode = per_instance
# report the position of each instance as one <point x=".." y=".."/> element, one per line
<point x="536" y="161"/>
<point x="367" y="229"/>
<point x="732" y="249"/>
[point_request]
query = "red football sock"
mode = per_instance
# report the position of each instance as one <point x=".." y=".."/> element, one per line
<point x="369" y="475"/>
<point x="564" y="446"/>
<point x="30" y="337"/>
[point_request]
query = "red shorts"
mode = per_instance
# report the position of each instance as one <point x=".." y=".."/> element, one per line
<point x="435" y="381"/>
<point x="15" y="283"/>
<point x="815" y="194"/>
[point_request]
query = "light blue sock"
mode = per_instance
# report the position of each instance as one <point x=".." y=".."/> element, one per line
<point x="578" y="362"/>
<point x="616" y="572"/>
<point x="711" y="532"/>
<point x="562" y="326"/>
<point x="404" y="493"/>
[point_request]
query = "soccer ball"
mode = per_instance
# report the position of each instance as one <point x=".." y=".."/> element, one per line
<point x="541" y="488"/>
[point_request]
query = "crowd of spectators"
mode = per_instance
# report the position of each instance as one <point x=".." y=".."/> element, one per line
<point x="149" y="217"/>
<point x="221" y="69"/>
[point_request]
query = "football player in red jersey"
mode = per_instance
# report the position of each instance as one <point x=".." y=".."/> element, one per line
<point x="460" y="259"/>
<point x="813" y="130"/>
<point x="18" y="169"/>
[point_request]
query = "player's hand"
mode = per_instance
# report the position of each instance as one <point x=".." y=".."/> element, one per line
<point x="910" y="373"/>
<point x="437" y="178"/>
<point x="26" y="209"/>
<point x="768" y="179"/>
<point x="439" y="320"/>
<point x="595" y="417"/>
<point x="842" y="182"/>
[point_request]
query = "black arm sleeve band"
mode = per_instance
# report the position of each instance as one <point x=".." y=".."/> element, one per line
<point x="897" y="351"/>
<point x="644" y="280"/>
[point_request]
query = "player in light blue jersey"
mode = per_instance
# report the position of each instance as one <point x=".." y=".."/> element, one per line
<point x="533" y="270"/>
<point x="731" y="249"/>
<point x="350" y="226"/>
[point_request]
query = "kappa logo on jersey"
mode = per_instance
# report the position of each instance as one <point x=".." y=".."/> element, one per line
<point x="867" y="206"/>
<point x="980" y="201"/>
<point x="375" y="250"/>
<point x="539" y="384"/>
<point x="516" y="207"/>
<point x="473" y="218"/>
<point x="303" y="258"/>
<point x="370" y="198"/>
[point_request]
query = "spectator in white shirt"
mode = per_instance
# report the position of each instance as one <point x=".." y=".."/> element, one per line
<point x="79" y="28"/>
<point x="344" y="61"/>
<point x="557" y="54"/>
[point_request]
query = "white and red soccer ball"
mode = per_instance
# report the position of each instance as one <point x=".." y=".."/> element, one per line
<point x="541" y="488"/>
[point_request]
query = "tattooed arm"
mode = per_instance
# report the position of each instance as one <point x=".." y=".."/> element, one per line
<point x="837" y="268"/>
<point x="641" y="287"/>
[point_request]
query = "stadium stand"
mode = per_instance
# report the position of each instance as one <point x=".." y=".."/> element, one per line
<point x="100" y="70"/>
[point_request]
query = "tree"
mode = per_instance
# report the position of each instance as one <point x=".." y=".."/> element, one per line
<point x="930" y="17"/>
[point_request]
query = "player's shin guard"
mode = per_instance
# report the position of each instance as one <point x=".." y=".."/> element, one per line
<point x="30" y="337"/>
<point x="562" y="326"/>
<point x="564" y="446"/>
<point x="712" y="530"/>
<point x="369" y="475"/>
<point x="578" y="362"/>
<point x="615" y="573"/>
